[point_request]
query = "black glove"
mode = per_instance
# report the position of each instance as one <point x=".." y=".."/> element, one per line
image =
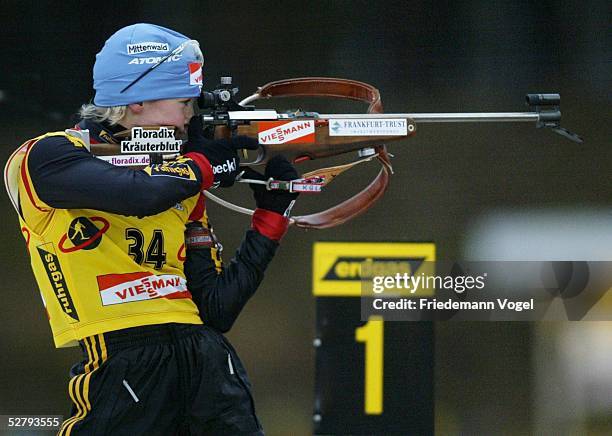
<point x="277" y="201"/>
<point x="221" y="153"/>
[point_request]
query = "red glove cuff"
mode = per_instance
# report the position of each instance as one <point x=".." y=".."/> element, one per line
<point x="205" y="168"/>
<point x="270" y="224"/>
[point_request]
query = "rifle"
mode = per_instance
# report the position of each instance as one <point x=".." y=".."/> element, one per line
<point x="304" y="136"/>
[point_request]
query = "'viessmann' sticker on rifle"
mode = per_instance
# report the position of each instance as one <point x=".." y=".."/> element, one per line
<point x="160" y="140"/>
<point x="286" y="132"/>
<point x="372" y="127"/>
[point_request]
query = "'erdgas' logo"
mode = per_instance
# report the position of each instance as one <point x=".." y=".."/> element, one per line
<point x="359" y="268"/>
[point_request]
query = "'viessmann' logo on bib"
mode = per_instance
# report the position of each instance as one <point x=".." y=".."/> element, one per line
<point x="140" y="286"/>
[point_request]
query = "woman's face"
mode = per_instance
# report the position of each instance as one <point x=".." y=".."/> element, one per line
<point x="171" y="112"/>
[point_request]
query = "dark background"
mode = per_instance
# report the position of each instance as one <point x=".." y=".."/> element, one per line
<point x="424" y="57"/>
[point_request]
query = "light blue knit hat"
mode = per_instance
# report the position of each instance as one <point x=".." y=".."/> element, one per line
<point x="145" y="62"/>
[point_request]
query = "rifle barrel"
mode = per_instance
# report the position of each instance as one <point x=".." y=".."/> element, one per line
<point x="466" y="117"/>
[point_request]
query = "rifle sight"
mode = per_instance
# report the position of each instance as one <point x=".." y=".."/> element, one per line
<point x="543" y="99"/>
<point x="222" y="96"/>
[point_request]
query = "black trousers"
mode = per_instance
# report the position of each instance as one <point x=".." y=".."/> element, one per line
<point x="167" y="379"/>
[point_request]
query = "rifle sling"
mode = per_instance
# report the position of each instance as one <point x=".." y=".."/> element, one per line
<point x="337" y="88"/>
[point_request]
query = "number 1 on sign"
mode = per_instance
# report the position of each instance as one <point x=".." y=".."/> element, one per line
<point x="372" y="334"/>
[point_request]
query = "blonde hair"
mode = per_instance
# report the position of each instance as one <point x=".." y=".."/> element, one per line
<point x="112" y="115"/>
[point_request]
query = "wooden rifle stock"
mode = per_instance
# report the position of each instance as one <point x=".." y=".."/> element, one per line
<point x="324" y="145"/>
